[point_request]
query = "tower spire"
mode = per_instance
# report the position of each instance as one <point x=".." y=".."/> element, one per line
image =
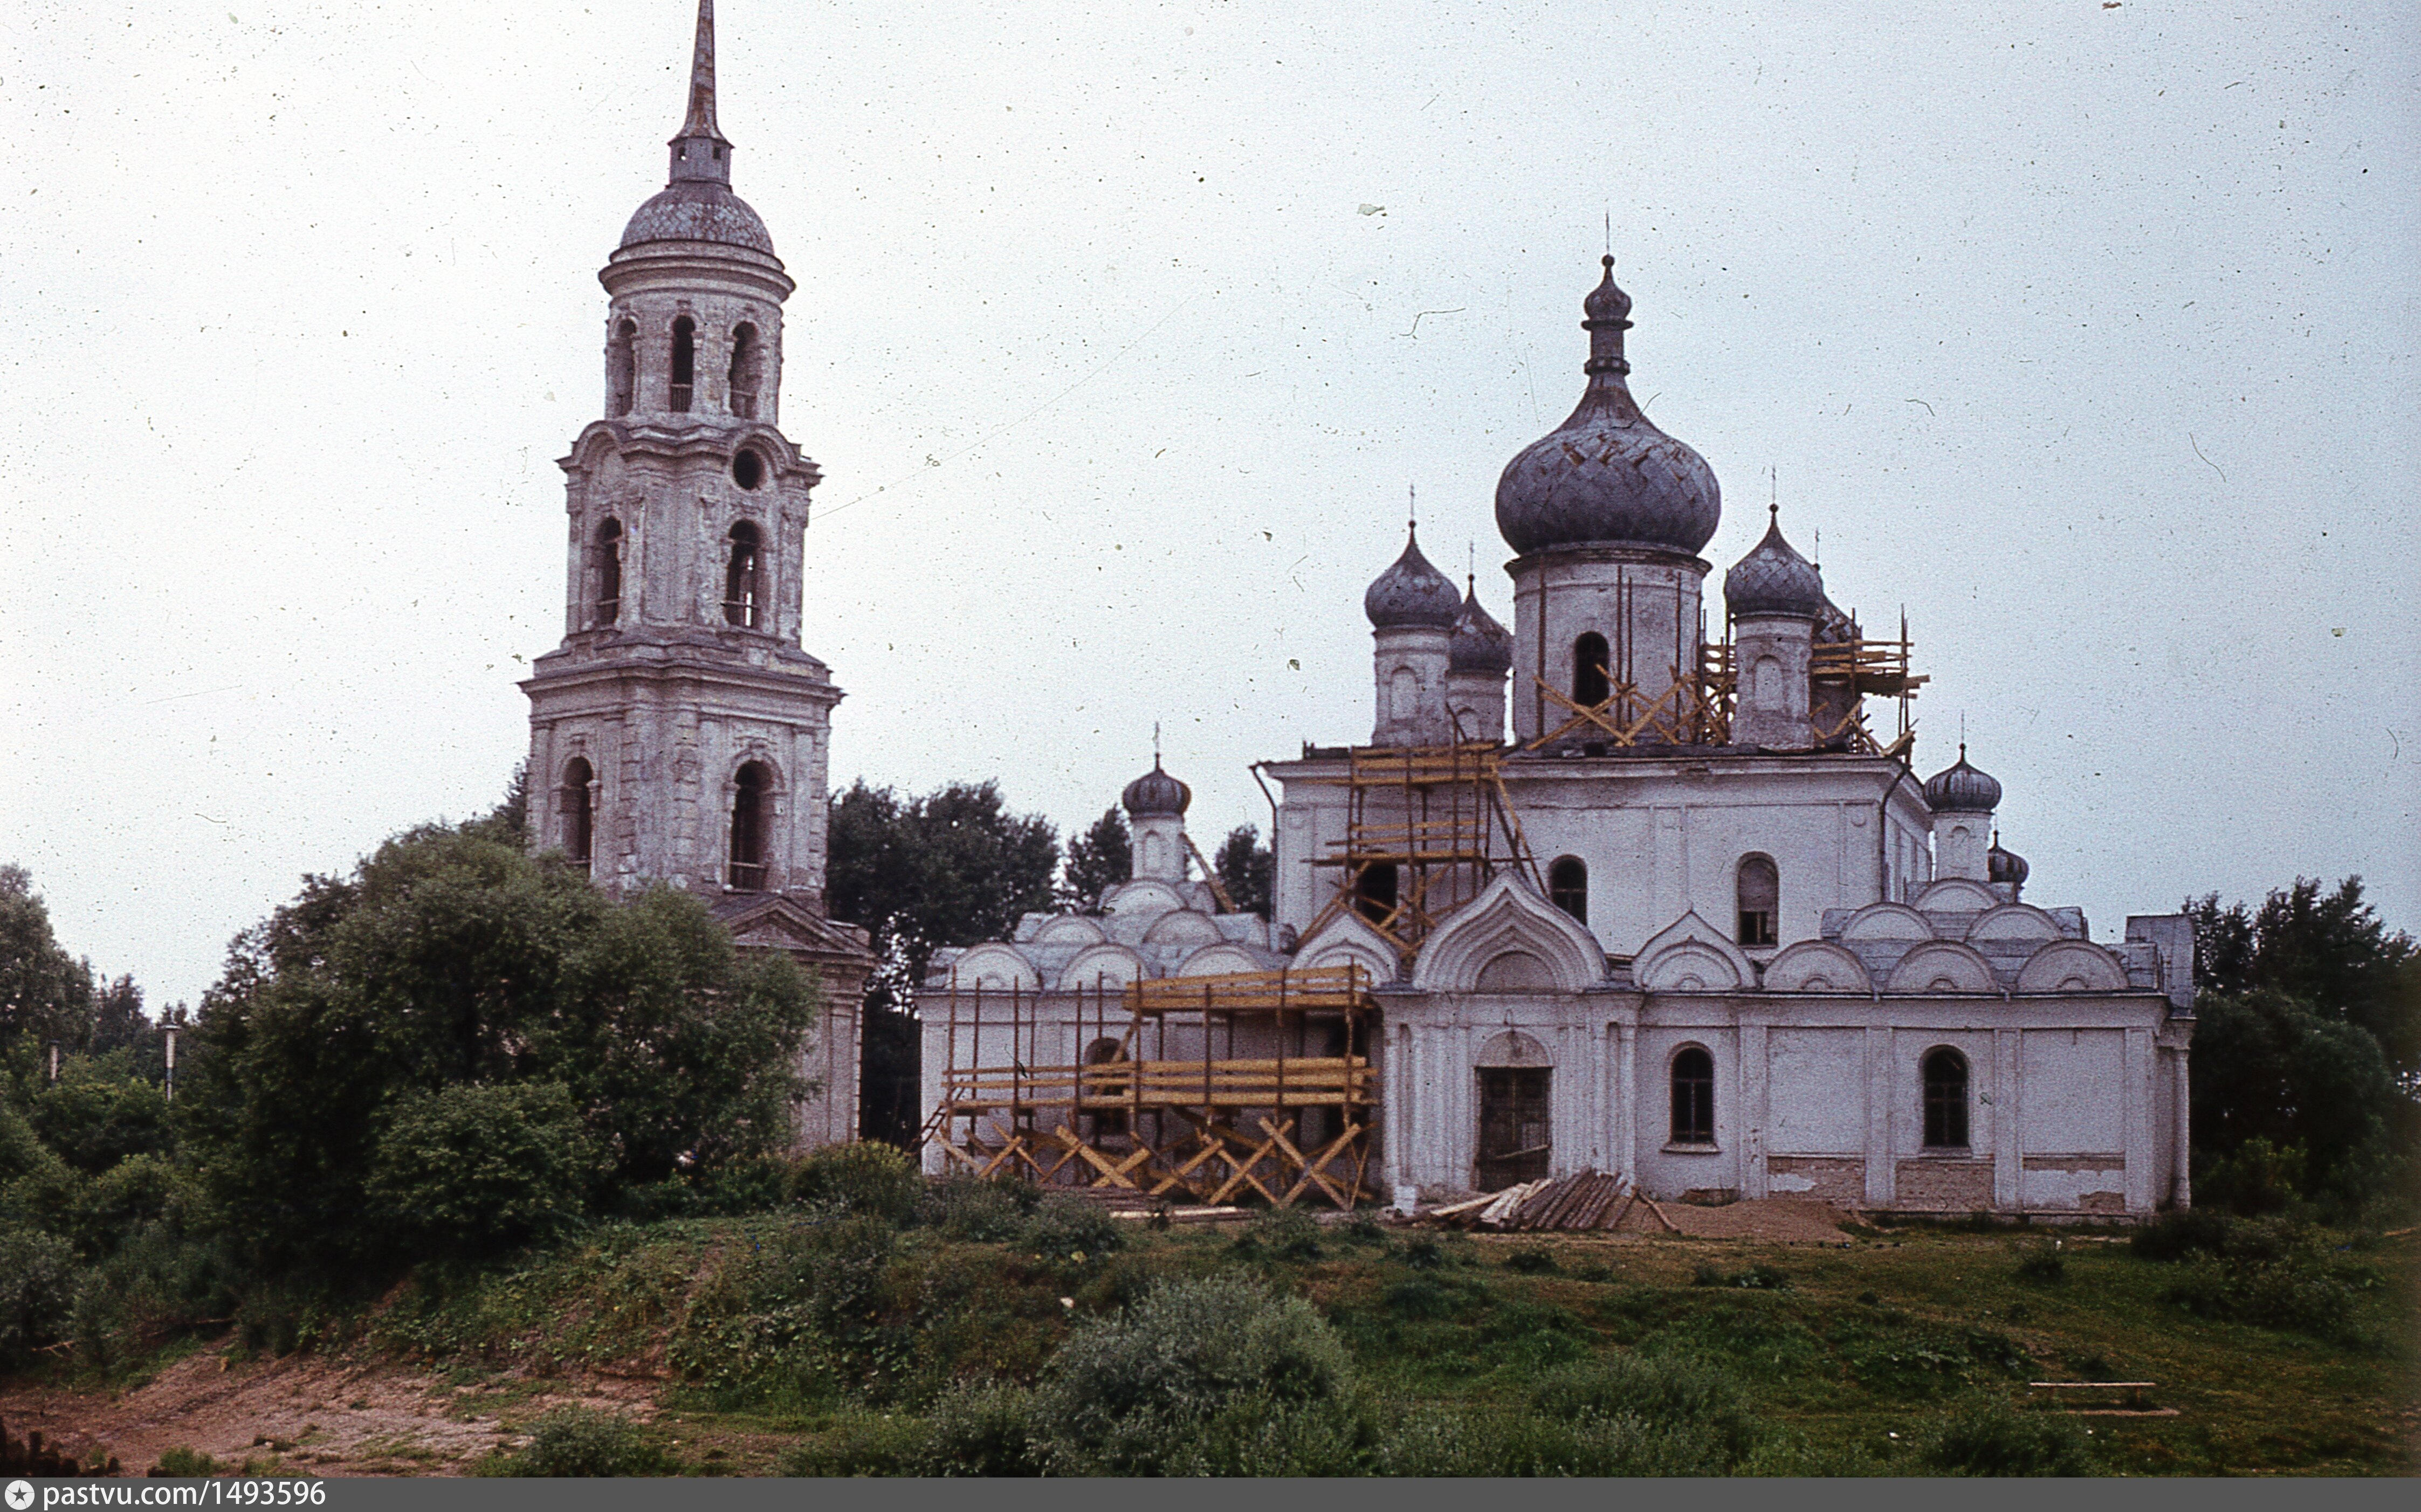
<point x="700" y="151"/>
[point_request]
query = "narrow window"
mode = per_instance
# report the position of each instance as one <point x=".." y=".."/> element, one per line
<point x="1568" y="886"/>
<point x="752" y="803"/>
<point x="1374" y="893"/>
<point x="744" y="581"/>
<point x="684" y="362"/>
<point x="1945" y="1100"/>
<point x="609" y="573"/>
<point x="1694" y="1097"/>
<point x="1589" y="685"/>
<point x="1760" y="899"/>
<point x="747" y="369"/>
<point x="579" y="810"/>
<point x="622" y="368"/>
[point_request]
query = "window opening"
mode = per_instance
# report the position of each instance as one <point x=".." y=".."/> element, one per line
<point x="684" y="362"/>
<point x="1106" y="1051"/>
<point x="1589" y="685"/>
<point x="622" y="368"/>
<point x="1568" y="886"/>
<point x="747" y="372"/>
<point x="1694" y="1097"/>
<point x="1945" y="1100"/>
<point x="1760" y="887"/>
<point x="1515" y="1131"/>
<point x="1374" y="893"/>
<point x="743" y="585"/>
<point x="752" y="802"/>
<point x="609" y="573"/>
<point x="747" y="468"/>
<point x="579" y="811"/>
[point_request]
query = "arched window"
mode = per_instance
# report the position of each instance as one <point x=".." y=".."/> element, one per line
<point x="1589" y="685"/>
<point x="684" y="362"/>
<point x="752" y="812"/>
<point x="608" y="557"/>
<point x="1945" y="1099"/>
<point x="1760" y="899"/>
<point x="747" y="369"/>
<point x="1694" y="1097"/>
<point x="1568" y="886"/>
<point x="1374" y="893"/>
<point x="578" y="807"/>
<point x="622" y="368"/>
<point x="744" y="581"/>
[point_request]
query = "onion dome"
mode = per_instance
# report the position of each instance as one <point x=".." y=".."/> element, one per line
<point x="1479" y="644"/>
<point x="2003" y="866"/>
<point x="1773" y="579"/>
<point x="1155" y="794"/>
<point x="1606" y="477"/>
<point x="1411" y="594"/>
<point x="1961" y="788"/>
<point x="697" y="204"/>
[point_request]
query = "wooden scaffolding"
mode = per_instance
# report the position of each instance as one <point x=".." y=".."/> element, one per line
<point x="1846" y="668"/>
<point x="1079" y="1087"/>
<point x="1426" y="828"/>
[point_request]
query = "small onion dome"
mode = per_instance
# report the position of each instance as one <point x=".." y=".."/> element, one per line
<point x="698" y="210"/>
<point x="2003" y="866"/>
<point x="1156" y="793"/>
<point x="1607" y="475"/>
<point x="1479" y="644"/>
<point x="1775" y="580"/>
<point x="1961" y="788"/>
<point x="1412" y="593"/>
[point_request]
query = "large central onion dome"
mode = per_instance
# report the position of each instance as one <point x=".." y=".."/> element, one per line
<point x="1607" y="476"/>
<point x="1156" y="793"/>
<point x="1412" y="593"/>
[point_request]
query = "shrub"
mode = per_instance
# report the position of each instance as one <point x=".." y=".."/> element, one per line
<point x="2043" y="1264"/>
<point x="37" y="1272"/>
<point x="1476" y="1440"/>
<point x="1130" y="1396"/>
<point x="1424" y="1254"/>
<point x="858" y="1442"/>
<point x="185" y="1464"/>
<point x="979" y="1429"/>
<point x="470" y="1170"/>
<point x="977" y="1210"/>
<point x="2175" y="1235"/>
<point x="869" y="1177"/>
<point x="583" y="1443"/>
<point x="1065" y="1228"/>
<point x="1279" y="1234"/>
<point x="2292" y="1293"/>
<point x="1669" y="1393"/>
<point x="1984" y="1436"/>
<point x="1531" y="1262"/>
<point x="1757" y="1277"/>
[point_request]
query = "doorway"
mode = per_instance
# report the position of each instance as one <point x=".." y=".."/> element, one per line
<point x="1514" y="1141"/>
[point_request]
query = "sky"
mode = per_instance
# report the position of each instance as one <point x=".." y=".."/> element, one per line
<point x="2083" y="332"/>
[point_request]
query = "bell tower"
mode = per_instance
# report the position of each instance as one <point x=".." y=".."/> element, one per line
<point x="679" y="734"/>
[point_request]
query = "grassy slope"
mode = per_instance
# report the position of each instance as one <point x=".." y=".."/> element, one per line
<point x="1948" y="1312"/>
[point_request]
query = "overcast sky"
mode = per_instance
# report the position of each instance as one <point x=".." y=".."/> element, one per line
<point x="2086" y="333"/>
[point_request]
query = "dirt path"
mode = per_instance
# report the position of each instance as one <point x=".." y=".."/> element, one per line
<point x="328" y="1416"/>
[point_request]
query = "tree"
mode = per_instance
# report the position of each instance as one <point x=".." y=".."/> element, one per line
<point x="473" y="1169"/>
<point x="2330" y="951"/>
<point x="45" y="993"/>
<point x="450" y="958"/>
<point x="1098" y="860"/>
<point x="949" y="868"/>
<point x="1245" y="869"/>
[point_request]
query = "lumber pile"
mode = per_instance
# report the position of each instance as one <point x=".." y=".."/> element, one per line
<point x="1586" y="1201"/>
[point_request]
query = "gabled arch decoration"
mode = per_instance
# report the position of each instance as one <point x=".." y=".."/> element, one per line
<point x="1690" y="955"/>
<point x="995" y="967"/>
<point x="1942" y="966"/>
<point x="1514" y="1049"/>
<point x="1886" y="923"/>
<point x="2015" y="923"/>
<point x="1958" y="894"/>
<point x="1105" y="965"/>
<point x="1070" y="929"/>
<point x="1349" y="940"/>
<point x="1508" y="915"/>
<point x="2072" y="966"/>
<point x="1817" y="966"/>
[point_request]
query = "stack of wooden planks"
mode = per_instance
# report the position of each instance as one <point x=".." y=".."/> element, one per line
<point x="1586" y="1201"/>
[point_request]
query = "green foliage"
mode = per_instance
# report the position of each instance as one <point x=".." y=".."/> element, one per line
<point x="858" y="1442"/>
<point x="1245" y="867"/>
<point x="1757" y="1277"/>
<point x="1985" y="1436"/>
<point x="1098" y="860"/>
<point x="968" y="1207"/>
<point x="1132" y="1395"/>
<point x="37" y="1277"/>
<point x="45" y="993"/>
<point x="981" y="1427"/>
<point x="101" y="1111"/>
<point x="1286" y="1234"/>
<point x="1069" y="1230"/>
<point x="872" y="1179"/>
<point x="1531" y="1262"/>
<point x="467" y="1171"/>
<point x="186" y="1463"/>
<point x="583" y="1443"/>
<point x="2173" y="1235"/>
<point x="2043" y="1264"/>
<point x="1678" y="1394"/>
<point x="2275" y="1274"/>
<point x="1893" y="1357"/>
<point x="1462" y="1439"/>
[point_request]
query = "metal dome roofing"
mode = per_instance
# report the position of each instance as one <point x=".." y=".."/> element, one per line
<point x="1156" y="793"/>
<point x="1607" y="476"/>
<point x="1412" y="593"/>
<point x="698" y="210"/>
<point x="1773" y="579"/>
<point x="2003" y="866"/>
<point x="1961" y="788"/>
<point x="1479" y="644"/>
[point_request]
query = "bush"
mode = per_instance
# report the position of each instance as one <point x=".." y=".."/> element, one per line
<point x="979" y="1429"/>
<point x="471" y="1170"/>
<point x="1065" y="1228"/>
<point x="1984" y="1436"/>
<point x="2175" y="1235"/>
<point x="185" y="1464"/>
<point x="869" y="1177"/>
<point x="1279" y="1234"/>
<point x="37" y="1277"/>
<point x="582" y="1442"/>
<point x="1757" y="1277"/>
<point x="858" y="1442"/>
<point x="1678" y="1395"/>
<point x="1531" y="1262"/>
<point x="1496" y="1440"/>
<point x="2043" y="1264"/>
<point x="977" y="1210"/>
<point x="1136" y="1395"/>
<point x="2294" y="1293"/>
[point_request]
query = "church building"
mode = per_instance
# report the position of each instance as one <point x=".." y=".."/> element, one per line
<point x="679" y="735"/>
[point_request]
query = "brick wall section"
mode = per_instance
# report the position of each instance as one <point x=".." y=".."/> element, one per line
<point x="1836" y="1177"/>
<point x="1944" y="1186"/>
